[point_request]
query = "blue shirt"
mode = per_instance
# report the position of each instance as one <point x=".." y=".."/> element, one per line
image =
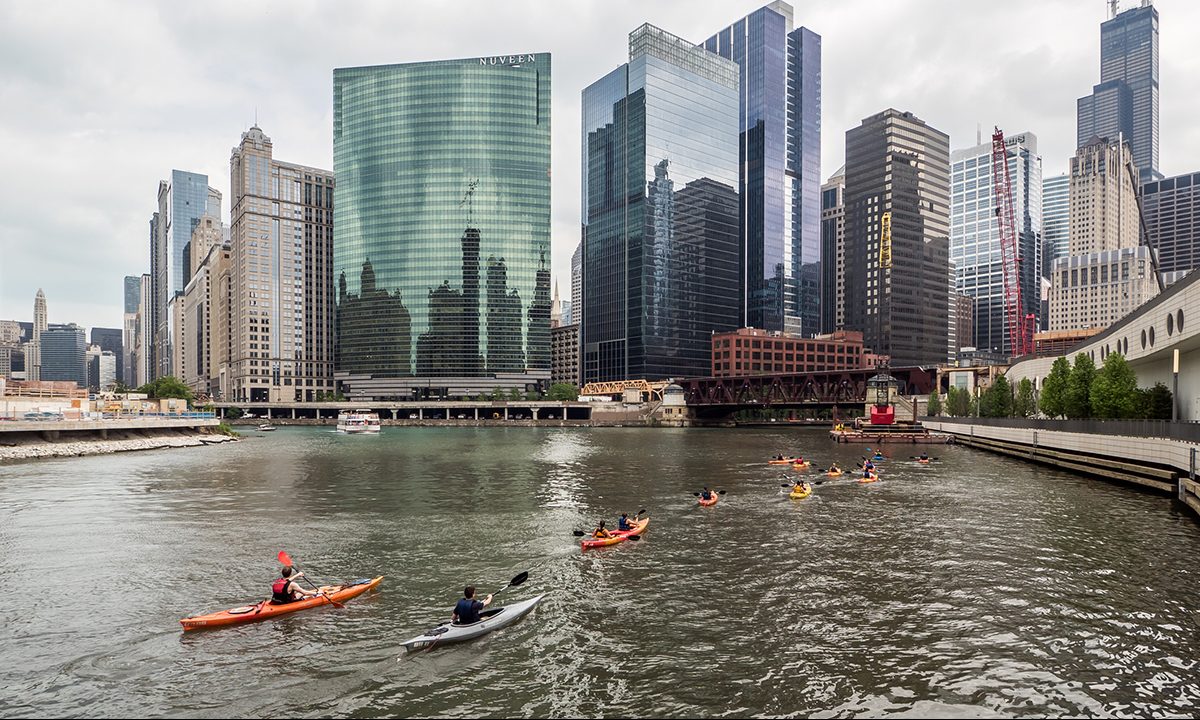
<point x="467" y="611"/>
<point x="623" y="524"/>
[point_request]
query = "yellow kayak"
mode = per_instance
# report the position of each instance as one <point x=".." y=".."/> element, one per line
<point x="800" y="493"/>
<point x="803" y="465"/>
<point x="834" y="474"/>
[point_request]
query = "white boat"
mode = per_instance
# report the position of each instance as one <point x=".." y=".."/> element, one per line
<point x="489" y="620"/>
<point x="358" y="421"/>
<point x="266" y="427"/>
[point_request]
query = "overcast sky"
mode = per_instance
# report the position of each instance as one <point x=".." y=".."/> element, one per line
<point x="99" y="101"/>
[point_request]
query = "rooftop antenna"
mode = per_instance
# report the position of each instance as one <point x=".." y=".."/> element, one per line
<point x="1112" y="8"/>
<point x="978" y="133"/>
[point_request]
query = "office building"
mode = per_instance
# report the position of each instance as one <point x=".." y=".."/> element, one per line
<point x="143" y="352"/>
<point x="1103" y="196"/>
<point x="1171" y="210"/>
<point x="898" y="187"/>
<point x="181" y="203"/>
<point x="1095" y="290"/>
<point x="576" y="285"/>
<point x="1125" y="102"/>
<point x="442" y="226"/>
<point x="751" y="351"/>
<point x="564" y="354"/>
<point x="101" y="368"/>
<point x="779" y="144"/>
<point x="964" y="322"/>
<point x="660" y="218"/>
<point x="195" y="355"/>
<point x="63" y="354"/>
<point x="1056" y="220"/>
<point x="281" y="317"/>
<point x="33" y="352"/>
<point x="833" y="252"/>
<point x="975" y="235"/>
<point x="109" y="339"/>
<point x="127" y="360"/>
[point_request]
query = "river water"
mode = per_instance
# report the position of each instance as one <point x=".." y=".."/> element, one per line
<point x="977" y="586"/>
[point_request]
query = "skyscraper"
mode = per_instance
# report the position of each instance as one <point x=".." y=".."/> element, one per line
<point x="833" y="253"/>
<point x="660" y="210"/>
<point x="63" y="354"/>
<point x="125" y="363"/>
<point x="281" y="332"/>
<point x="109" y="340"/>
<point x="1108" y="272"/>
<point x="33" y="359"/>
<point x="898" y="180"/>
<point x="576" y="285"/>
<point x="1171" y="209"/>
<point x="1126" y="100"/>
<point x="975" y="235"/>
<point x="779" y="144"/>
<point x="1056" y="220"/>
<point x="181" y="204"/>
<point x="442" y="232"/>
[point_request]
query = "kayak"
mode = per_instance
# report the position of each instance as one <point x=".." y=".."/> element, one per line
<point x="834" y="474"/>
<point x="803" y="465"/>
<point x="267" y="609"/>
<point x="923" y="462"/>
<point x="787" y="461"/>
<point x="800" y="494"/>
<point x="873" y="478"/>
<point x="877" y="458"/>
<point x="490" y="620"/>
<point x="712" y="500"/>
<point x="618" y="536"/>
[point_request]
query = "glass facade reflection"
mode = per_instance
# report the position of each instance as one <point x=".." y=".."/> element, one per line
<point x="660" y="232"/>
<point x="442" y="225"/>
<point x="780" y="160"/>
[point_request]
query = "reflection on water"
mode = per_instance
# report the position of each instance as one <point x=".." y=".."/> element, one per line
<point x="975" y="587"/>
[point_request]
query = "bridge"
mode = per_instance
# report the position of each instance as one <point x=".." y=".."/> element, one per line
<point x="712" y="396"/>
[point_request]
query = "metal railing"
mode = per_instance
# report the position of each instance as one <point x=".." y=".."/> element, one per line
<point x="1186" y="431"/>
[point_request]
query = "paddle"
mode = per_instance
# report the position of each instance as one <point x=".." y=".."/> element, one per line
<point x="286" y="559"/>
<point x="520" y="578"/>
<point x="918" y="457"/>
<point x="719" y="492"/>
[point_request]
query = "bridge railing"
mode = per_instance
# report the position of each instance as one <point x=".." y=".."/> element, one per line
<point x="1185" y="431"/>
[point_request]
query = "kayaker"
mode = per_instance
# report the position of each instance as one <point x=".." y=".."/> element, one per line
<point x="624" y="522"/>
<point x="600" y="532"/>
<point x="868" y="465"/>
<point x="706" y="494"/>
<point x="467" y="609"/>
<point x="285" y="590"/>
<point x="779" y="457"/>
<point x="834" y="468"/>
<point x="924" y="457"/>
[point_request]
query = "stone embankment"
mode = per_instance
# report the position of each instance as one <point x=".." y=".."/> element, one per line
<point x="29" y="447"/>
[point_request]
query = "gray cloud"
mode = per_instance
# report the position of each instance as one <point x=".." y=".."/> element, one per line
<point x="100" y="101"/>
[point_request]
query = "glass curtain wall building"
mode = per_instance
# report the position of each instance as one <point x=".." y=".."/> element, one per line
<point x="975" y="235"/>
<point x="780" y="167"/>
<point x="1056" y="220"/>
<point x="1125" y="102"/>
<point x="1171" y="208"/>
<point x="660" y="211"/>
<point x="442" y="226"/>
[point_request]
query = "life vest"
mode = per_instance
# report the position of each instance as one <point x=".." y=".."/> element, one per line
<point x="279" y="591"/>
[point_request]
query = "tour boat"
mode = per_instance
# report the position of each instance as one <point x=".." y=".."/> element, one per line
<point x="358" y="421"/>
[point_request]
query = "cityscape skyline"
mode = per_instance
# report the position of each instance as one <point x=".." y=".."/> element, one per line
<point x="103" y="237"/>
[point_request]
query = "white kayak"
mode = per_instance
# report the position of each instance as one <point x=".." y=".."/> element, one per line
<point x="491" y="620"/>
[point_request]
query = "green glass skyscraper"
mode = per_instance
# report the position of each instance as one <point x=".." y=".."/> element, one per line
<point x="442" y="226"/>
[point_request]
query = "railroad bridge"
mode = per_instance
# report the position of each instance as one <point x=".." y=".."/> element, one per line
<point x="712" y="397"/>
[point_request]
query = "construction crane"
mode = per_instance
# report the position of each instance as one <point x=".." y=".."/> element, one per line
<point x="1020" y="326"/>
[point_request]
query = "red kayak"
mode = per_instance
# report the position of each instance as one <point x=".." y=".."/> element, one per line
<point x="267" y="609"/>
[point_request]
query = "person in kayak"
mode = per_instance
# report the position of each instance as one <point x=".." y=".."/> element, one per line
<point x="467" y="610"/>
<point x="924" y="457"/>
<point x="601" y="532"/>
<point x="868" y="465"/>
<point x="706" y="494"/>
<point x="285" y="590"/>
<point x="624" y="523"/>
<point x="833" y="468"/>
<point x="800" y="486"/>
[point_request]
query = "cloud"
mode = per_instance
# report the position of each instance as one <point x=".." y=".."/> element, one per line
<point x="103" y="100"/>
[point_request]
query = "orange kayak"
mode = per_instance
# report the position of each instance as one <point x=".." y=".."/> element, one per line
<point x="712" y="500"/>
<point x="785" y="461"/>
<point x="618" y="536"/>
<point x="266" y="609"/>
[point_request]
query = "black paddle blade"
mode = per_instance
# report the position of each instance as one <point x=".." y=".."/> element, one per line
<point x="633" y="537"/>
<point x="639" y="512"/>
<point x="519" y="579"/>
<point x="696" y="494"/>
<point x="578" y="533"/>
<point x="720" y="492"/>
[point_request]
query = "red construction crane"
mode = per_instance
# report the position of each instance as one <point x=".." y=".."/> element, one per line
<point x="1020" y="328"/>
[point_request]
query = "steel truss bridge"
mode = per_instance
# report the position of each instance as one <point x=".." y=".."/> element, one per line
<point x="718" y="395"/>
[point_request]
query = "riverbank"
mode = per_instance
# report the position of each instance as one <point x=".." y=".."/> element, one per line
<point x="29" y="447"/>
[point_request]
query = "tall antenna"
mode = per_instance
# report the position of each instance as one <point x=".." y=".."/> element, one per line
<point x="1112" y="9"/>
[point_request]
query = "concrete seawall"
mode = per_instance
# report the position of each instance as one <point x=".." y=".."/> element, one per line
<point x="69" y="438"/>
<point x="1159" y="464"/>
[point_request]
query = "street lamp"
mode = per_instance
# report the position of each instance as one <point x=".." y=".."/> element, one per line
<point x="1175" y="386"/>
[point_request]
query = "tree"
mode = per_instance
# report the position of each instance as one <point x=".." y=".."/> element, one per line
<point x="1114" y="389"/>
<point x="1054" y="389"/>
<point x="1157" y="403"/>
<point x="121" y="388"/>
<point x="1078" y="403"/>
<point x="563" y="391"/>
<point x="934" y="407"/>
<point x="997" y="400"/>
<point x="232" y="413"/>
<point x="515" y="394"/>
<point x="167" y="386"/>
<point x="1025" y="404"/>
<point x="958" y="402"/>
